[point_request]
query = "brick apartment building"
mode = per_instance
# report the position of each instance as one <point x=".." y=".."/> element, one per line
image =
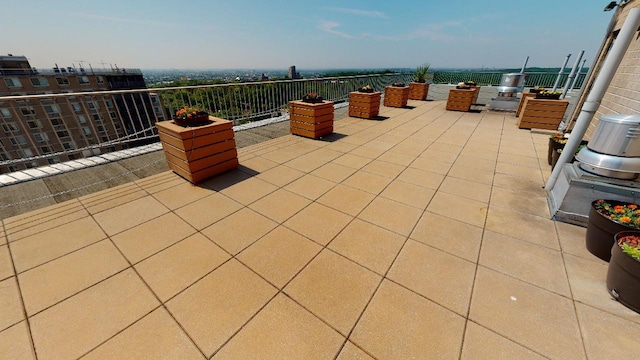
<point x="50" y="127"/>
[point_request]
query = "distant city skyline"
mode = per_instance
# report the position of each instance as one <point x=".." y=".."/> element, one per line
<point x="253" y="34"/>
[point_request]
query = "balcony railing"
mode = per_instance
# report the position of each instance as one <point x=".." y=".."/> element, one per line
<point x="38" y="130"/>
<point x="532" y="79"/>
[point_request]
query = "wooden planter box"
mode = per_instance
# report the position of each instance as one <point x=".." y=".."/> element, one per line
<point x="198" y="153"/>
<point x="542" y="113"/>
<point x="476" y="91"/>
<point x="364" y="105"/>
<point x="311" y="120"/>
<point x="521" y="103"/>
<point x="418" y="91"/>
<point x="395" y="96"/>
<point x="460" y="99"/>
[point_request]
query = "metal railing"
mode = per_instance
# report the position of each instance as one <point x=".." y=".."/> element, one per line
<point x="532" y="79"/>
<point x="37" y="130"/>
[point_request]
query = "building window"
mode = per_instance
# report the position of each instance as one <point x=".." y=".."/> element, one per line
<point x="5" y="113"/>
<point x="87" y="130"/>
<point x="56" y="121"/>
<point x="83" y="80"/>
<point x="62" y="133"/>
<point x="13" y="82"/>
<point x="51" y="109"/>
<point x="117" y="126"/>
<point x="5" y="156"/>
<point x="100" y="80"/>
<point x="91" y="105"/>
<point x="41" y="137"/>
<point x="109" y="103"/>
<point x="27" y="110"/>
<point x="68" y="145"/>
<point x="34" y="124"/>
<point x="54" y="160"/>
<point x="82" y="119"/>
<point x="71" y="156"/>
<point x="27" y="153"/>
<point x="100" y="128"/>
<point x="39" y="81"/>
<point x="113" y="115"/>
<point x="10" y="127"/>
<point x="62" y="81"/>
<point x="76" y="107"/>
<point x="18" y="140"/>
<point x="45" y="149"/>
<point x="96" y="117"/>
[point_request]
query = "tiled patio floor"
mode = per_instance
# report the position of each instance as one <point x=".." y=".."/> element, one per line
<point x="424" y="235"/>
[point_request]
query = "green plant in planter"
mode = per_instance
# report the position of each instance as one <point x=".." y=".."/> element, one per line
<point x="627" y="214"/>
<point x="312" y="97"/>
<point x="398" y="84"/>
<point x="631" y="250"/>
<point x="421" y="73"/>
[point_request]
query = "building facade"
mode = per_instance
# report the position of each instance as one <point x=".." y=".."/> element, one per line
<point x="62" y="114"/>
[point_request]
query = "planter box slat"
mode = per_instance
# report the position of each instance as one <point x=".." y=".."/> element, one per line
<point x="364" y="105"/>
<point x="418" y="91"/>
<point x="395" y="96"/>
<point x="522" y="100"/>
<point x="311" y="120"/>
<point x="460" y="99"/>
<point x="542" y="113"/>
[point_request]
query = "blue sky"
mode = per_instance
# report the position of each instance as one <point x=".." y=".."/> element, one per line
<point x="273" y="34"/>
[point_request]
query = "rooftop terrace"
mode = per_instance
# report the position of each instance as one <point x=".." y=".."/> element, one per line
<point x="423" y="235"/>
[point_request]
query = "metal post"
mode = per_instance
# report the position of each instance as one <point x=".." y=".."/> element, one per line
<point x="566" y="60"/>
<point x="524" y="66"/>
<point x="600" y="85"/>
<point x="575" y="80"/>
<point x="572" y="74"/>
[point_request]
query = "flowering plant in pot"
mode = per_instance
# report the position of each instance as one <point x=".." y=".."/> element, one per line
<point x="557" y="143"/>
<point x="623" y="274"/>
<point x="312" y="98"/>
<point x="607" y="218"/>
<point x="537" y="89"/>
<point x="470" y="83"/>
<point x="549" y="95"/>
<point x="191" y="116"/>
<point x="366" y="89"/>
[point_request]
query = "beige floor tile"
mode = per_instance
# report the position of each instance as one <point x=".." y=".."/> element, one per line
<point x="227" y="234"/>
<point x="340" y="146"/>
<point x="519" y="160"/>
<point x="334" y="172"/>
<point x="346" y="199"/>
<point x="156" y="336"/>
<point x="399" y="324"/>
<point x="424" y="269"/>
<point x="334" y="289"/>
<point x="483" y="154"/>
<point x="6" y="265"/>
<point x="280" y="205"/>
<point x="41" y="216"/>
<point x="179" y="266"/>
<point x="452" y="236"/>
<point x="467" y="189"/>
<point x="279" y="255"/>
<point x="444" y="147"/>
<point x="229" y="178"/>
<point x="44" y="224"/>
<point x="112" y="197"/>
<point x="367" y="151"/>
<point x="520" y="171"/>
<point x="307" y="163"/>
<point x="606" y="336"/>
<point x="54" y="281"/>
<point x="352" y="352"/>
<point x="310" y="186"/>
<point x="207" y="211"/>
<point x="588" y="285"/>
<point x="383" y="168"/>
<point x="471" y="174"/>
<point x="123" y="217"/>
<point x="573" y="241"/>
<point x="423" y="178"/>
<point x="10" y="303"/>
<point x="368" y="182"/>
<point x="181" y="195"/>
<point x="318" y="223"/>
<point x="391" y="215"/>
<point x="408" y="193"/>
<point x="280" y="175"/>
<point x="162" y="181"/>
<point x="517" y="149"/>
<point x="280" y="156"/>
<point x="247" y="191"/>
<point x="432" y="165"/>
<point x="258" y="164"/>
<point x="476" y="162"/>
<point x="515" y="183"/>
<point x="439" y="155"/>
<point x="283" y="330"/>
<point x="535" y="318"/>
<point x="45" y="246"/>
<point x="483" y="344"/>
<point x="115" y="304"/>
<point x="395" y="157"/>
<point x="523" y="260"/>
<point x="369" y="245"/>
<point x="459" y="208"/>
<point x="352" y="161"/>
<point x="228" y="298"/>
<point x="519" y="225"/>
<point x="15" y="343"/>
<point x="145" y="240"/>
<point x="526" y="202"/>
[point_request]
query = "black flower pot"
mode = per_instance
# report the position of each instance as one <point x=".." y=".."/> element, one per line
<point x="199" y="119"/>
<point x="623" y="275"/>
<point x="601" y="231"/>
<point x="553" y="146"/>
<point x="548" y="97"/>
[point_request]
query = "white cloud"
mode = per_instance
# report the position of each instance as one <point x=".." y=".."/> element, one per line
<point x="366" y="13"/>
<point x="331" y="28"/>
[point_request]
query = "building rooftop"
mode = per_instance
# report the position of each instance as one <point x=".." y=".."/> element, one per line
<point x="422" y="235"/>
